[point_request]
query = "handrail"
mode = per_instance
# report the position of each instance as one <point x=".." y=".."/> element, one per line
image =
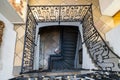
<point x="98" y="49"/>
<point x="59" y="13"/>
<point x="32" y="14"/>
<point x="28" y="51"/>
<point x="68" y="13"/>
<point x="102" y="37"/>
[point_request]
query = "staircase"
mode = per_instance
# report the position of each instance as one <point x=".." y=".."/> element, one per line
<point x="68" y="49"/>
<point x="101" y="54"/>
<point x="104" y="58"/>
<point x="98" y="50"/>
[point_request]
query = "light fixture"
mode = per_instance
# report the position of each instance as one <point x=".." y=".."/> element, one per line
<point x="17" y="1"/>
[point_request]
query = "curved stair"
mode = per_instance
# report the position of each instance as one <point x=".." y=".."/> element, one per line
<point x="100" y="52"/>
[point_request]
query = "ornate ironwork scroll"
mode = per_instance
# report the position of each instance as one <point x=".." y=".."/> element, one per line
<point x="29" y="43"/>
<point x="64" y="13"/>
<point x="1" y="31"/>
<point x="46" y="14"/>
<point x="99" y="51"/>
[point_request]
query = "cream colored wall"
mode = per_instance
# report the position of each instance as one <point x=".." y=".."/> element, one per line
<point x="19" y="44"/>
<point x="20" y="8"/>
<point x="57" y="2"/>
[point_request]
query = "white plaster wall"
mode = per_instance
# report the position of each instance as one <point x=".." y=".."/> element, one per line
<point x="87" y="61"/>
<point x="113" y="37"/>
<point x="109" y="7"/>
<point x="7" y="49"/>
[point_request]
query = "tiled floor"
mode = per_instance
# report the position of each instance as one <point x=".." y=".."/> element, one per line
<point x="102" y="23"/>
<point x="20" y="30"/>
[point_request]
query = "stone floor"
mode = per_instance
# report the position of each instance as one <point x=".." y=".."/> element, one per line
<point x="20" y="30"/>
<point x="102" y="23"/>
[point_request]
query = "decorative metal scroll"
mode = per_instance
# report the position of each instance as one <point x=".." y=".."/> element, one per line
<point x="46" y="14"/>
<point x="64" y="13"/>
<point x="29" y="43"/>
<point x="99" y="51"/>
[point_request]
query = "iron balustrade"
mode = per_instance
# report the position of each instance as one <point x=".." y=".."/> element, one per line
<point x="29" y="43"/>
<point x="47" y="13"/>
<point x="94" y="75"/>
<point x="57" y="13"/>
<point x="99" y="51"/>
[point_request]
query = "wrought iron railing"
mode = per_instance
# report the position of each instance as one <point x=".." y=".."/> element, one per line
<point x="35" y="14"/>
<point x="94" y="75"/>
<point x="98" y="49"/>
<point x="63" y="13"/>
<point x="29" y="43"/>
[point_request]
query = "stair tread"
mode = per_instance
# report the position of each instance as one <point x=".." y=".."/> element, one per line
<point x="69" y="40"/>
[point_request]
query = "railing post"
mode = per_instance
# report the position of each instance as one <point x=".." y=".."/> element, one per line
<point x="59" y="15"/>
